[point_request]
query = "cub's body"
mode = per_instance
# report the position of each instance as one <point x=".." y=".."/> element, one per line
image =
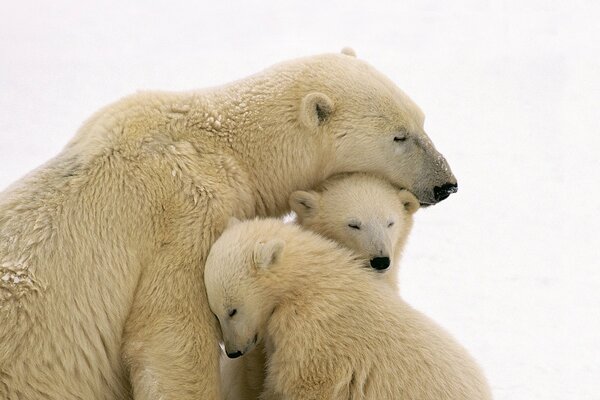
<point x="331" y="329"/>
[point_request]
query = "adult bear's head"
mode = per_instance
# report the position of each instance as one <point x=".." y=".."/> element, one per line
<point x="372" y="125"/>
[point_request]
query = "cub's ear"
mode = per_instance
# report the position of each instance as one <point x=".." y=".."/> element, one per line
<point x="409" y="201"/>
<point x="315" y="109"/>
<point x="304" y="204"/>
<point x="232" y="222"/>
<point x="268" y="253"/>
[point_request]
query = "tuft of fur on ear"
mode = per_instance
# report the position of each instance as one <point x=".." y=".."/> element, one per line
<point x="349" y="51"/>
<point x="268" y="253"/>
<point x="409" y="201"/>
<point x="315" y="109"/>
<point x="304" y="204"/>
<point x="232" y="222"/>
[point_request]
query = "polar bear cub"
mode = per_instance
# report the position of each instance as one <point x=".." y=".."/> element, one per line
<point x="363" y="212"/>
<point x="331" y="330"/>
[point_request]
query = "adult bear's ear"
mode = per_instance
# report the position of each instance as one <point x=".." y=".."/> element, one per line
<point x="349" y="51"/>
<point x="268" y="253"/>
<point x="409" y="201"/>
<point x="315" y="109"/>
<point x="304" y="204"/>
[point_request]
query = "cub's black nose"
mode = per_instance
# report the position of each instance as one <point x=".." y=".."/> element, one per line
<point x="442" y="192"/>
<point x="234" y="355"/>
<point x="380" y="263"/>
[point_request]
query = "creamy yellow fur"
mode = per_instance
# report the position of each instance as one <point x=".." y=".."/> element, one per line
<point x="331" y="329"/>
<point x="366" y="200"/>
<point x="361" y="198"/>
<point x="102" y="248"/>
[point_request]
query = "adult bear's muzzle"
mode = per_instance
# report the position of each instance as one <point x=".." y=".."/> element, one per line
<point x="442" y="192"/>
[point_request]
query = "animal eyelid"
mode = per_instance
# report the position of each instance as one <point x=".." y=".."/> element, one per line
<point x="401" y="135"/>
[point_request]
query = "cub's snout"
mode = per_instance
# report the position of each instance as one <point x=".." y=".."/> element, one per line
<point x="380" y="263"/>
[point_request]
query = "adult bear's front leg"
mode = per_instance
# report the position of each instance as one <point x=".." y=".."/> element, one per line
<point x="170" y="343"/>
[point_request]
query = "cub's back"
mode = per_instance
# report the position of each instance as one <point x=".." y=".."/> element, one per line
<point x="365" y="337"/>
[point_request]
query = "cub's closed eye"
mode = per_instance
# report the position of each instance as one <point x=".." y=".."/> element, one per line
<point x="354" y="226"/>
<point x="399" y="138"/>
<point x="232" y="312"/>
<point x="390" y="224"/>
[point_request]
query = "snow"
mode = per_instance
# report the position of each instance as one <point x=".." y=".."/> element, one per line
<point x="511" y="90"/>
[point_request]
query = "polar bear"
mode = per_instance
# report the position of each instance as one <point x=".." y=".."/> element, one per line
<point x="101" y="269"/>
<point x="363" y="212"/>
<point x="330" y="328"/>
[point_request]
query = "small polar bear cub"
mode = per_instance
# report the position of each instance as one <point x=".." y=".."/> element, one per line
<point x="330" y="328"/>
<point x="363" y="212"/>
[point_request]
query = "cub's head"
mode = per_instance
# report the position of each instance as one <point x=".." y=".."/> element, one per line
<point x="362" y="212"/>
<point x="235" y="285"/>
<point x="372" y="126"/>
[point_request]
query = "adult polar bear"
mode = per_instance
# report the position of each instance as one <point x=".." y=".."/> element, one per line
<point x="102" y="249"/>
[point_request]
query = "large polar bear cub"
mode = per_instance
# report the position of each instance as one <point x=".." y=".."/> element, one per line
<point x="330" y="328"/>
<point x="101" y="269"/>
<point x="364" y="213"/>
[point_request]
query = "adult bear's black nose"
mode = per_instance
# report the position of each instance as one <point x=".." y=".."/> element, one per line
<point x="442" y="192"/>
<point x="380" y="263"/>
<point x="235" y="355"/>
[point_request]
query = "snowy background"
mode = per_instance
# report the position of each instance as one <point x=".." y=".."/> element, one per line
<point x="511" y="91"/>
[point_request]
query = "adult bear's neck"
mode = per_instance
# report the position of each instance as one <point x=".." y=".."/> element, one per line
<point x="256" y="122"/>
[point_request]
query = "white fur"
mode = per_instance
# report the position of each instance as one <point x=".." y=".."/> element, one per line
<point x="363" y="212"/>
<point x="112" y="233"/>
<point x="331" y="329"/>
<point x="365" y="199"/>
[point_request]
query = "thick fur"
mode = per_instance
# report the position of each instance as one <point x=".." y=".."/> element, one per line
<point x="102" y="249"/>
<point x="363" y="212"/>
<point x="331" y="329"/>
<point x="384" y="215"/>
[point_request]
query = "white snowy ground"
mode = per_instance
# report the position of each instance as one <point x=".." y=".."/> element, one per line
<point x="512" y="95"/>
